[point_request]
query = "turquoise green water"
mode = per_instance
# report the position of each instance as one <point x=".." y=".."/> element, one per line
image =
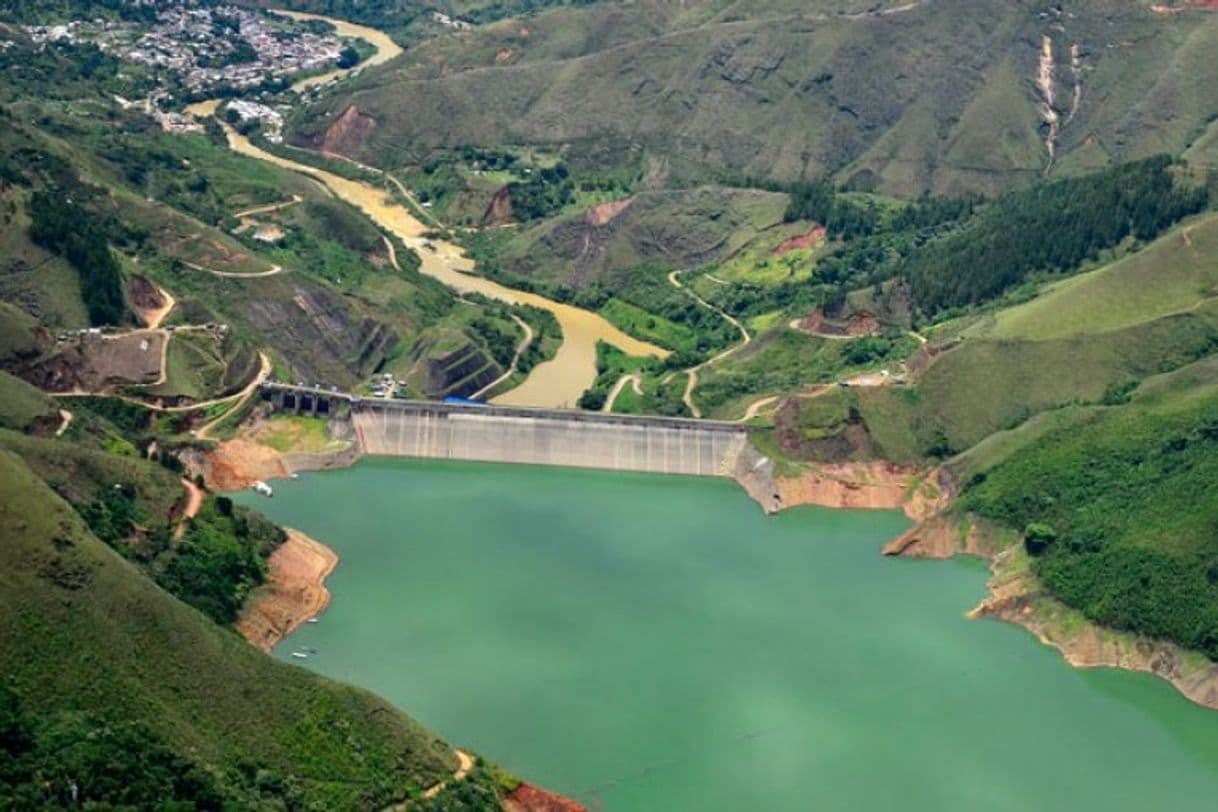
<point x="651" y="643"/>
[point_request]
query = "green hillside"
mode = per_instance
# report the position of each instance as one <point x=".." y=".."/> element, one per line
<point x="89" y="642"/>
<point x="909" y="102"/>
<point x="1118" y="507"/>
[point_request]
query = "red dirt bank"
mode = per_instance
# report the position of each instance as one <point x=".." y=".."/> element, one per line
<point x="528" y="798"/>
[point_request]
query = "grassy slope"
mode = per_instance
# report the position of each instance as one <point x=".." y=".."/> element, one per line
<point x="986" y="385"/>
<point x="1169" y="276"/>
<point x="940" y="98"/>
<point x="667" y="229"/>
<point x="85" y="631"/>
<point x="22" y="405"/>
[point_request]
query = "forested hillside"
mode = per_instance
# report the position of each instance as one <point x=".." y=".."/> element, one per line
<point x="1051" y="227"/>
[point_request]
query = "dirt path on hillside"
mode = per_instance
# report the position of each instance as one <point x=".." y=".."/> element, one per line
<point x="393" y="253"/>
<point x="274" y="270"/>
<point x="269" y="208"/>
<point x="153" y="317"/>
<point x="797" y="324"/>
<point x="692" y="373"/>
<point x="204" y="404"/>
<point x="264" y="370"/>
<point x="628" y="378"/>
<point x="687" y="397"/>
<point x="294" y="593"/>
<point x="194" y="500"/>
<point x="511" y="370"/>
<point x="756" y="406"/>
<point x="465" y="763"/>
<point x="66" y="417"/>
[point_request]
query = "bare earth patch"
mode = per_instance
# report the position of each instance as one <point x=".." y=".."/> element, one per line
<point x="238" y="463"/>
<point x="809" y="239"/>
<point x="876" y="485"/>
<point x="528" y="798"/>
<point x="294" y="592"/>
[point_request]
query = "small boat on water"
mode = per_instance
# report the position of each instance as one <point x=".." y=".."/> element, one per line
<point x="262" y="488"/>
<point x="312" y="620"/>
<point x="300" y="655"/>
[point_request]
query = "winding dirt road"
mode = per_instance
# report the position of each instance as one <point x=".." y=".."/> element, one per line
<point x="629" y="378"/>
<point x="239" y="398"/>
<point x="692" y="373"/>
<point x="511" y="370"/>
<point x="465" y="763"/>
<point x="756" y="406"/>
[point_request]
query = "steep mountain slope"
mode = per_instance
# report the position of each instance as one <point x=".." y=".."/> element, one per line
<point x="940" y="97"/>
<point x="86" y="635"/>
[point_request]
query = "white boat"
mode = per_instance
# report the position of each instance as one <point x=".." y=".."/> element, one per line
<point x="262" y="488"/>
<point x="300" y="655"/>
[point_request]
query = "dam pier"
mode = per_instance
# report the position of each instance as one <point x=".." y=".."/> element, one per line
<point x="531" y="436"/>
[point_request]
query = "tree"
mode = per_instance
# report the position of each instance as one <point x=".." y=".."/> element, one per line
<point x="348" y="57"/>
<point x="1037" y="537"/>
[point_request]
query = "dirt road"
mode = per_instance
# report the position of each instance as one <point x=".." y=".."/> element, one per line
<point x="194" y="500"/>
<point x="511" y="370"/>
<point x="152" y="318"/>
<point x="465" y="763"/>
<point x="692" y="373"/>
<point x="274" y="270"/>
<point x="239" y="398"/>
<point x="269" y="208"/>
<point x="631" y="378"/>
<point x="755" y="407"/>
<point x="66" y="417"/>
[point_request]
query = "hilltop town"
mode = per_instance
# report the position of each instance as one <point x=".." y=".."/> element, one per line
<point x="207" y="48"/>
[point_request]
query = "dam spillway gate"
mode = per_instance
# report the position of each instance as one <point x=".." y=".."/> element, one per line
<point x="432" y="430"/>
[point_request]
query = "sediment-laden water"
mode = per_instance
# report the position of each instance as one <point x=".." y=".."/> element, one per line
<point x="643" y="642"/>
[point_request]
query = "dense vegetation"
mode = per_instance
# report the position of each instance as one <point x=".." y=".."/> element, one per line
<point x="820" y="203"/>
<point x="65" y="227"/>
<point x="1050" y="227"/>
<point x="542" y="194"/>
<point x="1121" y="513"/>
<point x="115" y="687"/>
<point x="75" y="761"/>
<point x="220" y="558"/>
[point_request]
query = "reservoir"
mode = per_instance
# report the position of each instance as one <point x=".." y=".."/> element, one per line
<point x="642" y="642"/>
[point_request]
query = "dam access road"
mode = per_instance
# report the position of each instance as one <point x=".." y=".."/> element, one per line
<point x="560" y="437"/>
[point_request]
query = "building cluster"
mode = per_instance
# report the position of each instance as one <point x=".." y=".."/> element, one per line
<point x="249" y="111"/>
<point x="451" y="22"/>
<point x="206" y="47"/>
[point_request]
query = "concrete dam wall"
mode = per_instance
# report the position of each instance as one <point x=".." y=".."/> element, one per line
<point x="584" y="440"/>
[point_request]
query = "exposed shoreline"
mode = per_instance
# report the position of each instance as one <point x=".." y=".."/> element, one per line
<point x="294" y="592"/>
<point x="1016" y="596"/>
<point x="924" y="496"/>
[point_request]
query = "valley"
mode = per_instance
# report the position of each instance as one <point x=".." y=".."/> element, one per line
<point x="482" y="273"/>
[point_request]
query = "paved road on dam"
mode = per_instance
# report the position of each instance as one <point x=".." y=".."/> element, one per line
<point x="512" y="434"/>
